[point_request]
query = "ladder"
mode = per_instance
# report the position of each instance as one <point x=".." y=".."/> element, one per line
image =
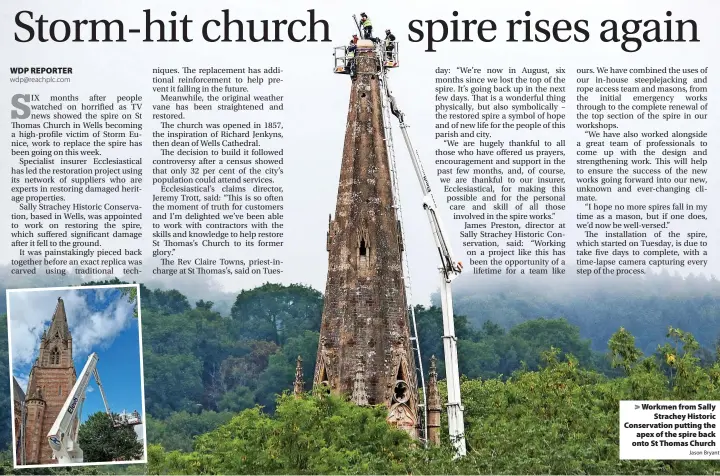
<point x="422" y="404"/>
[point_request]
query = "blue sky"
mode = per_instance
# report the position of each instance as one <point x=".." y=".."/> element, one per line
<point x="100" y="320"/>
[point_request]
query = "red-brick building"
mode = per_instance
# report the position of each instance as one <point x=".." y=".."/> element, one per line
<point x="51" y="380"/>
<point x="18" y="417"/>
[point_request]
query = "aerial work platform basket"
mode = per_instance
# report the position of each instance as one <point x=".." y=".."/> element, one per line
<point x="385" y="51"/>
<point x="127" y="419"/>
<point x="390" y="54"/>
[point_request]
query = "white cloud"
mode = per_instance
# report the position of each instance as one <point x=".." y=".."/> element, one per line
<point x="30" y="313"/>
<point x="22" y="380"/>
<point x="90" y="389"/>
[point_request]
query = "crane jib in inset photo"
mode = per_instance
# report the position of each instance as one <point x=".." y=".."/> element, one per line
<point x="72" y="405"/>
<point x="63" y="436"/>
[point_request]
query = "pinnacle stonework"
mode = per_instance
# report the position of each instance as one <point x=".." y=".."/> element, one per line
<point x="434" y="407"/>
<point x="51" y="380"/>
<point x="365" y="351"/>
<point x="298" y="387"/>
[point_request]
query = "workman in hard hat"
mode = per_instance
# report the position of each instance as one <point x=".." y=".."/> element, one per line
<point x="389" y="45"/>
<point x="355" y="39"/>
<point x="350" y="58"/>
<point x="366" y="26"/>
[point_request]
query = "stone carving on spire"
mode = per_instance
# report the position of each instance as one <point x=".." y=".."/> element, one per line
<point x="359" y="396"/>
<point x="299" y="386"/>
<point x="434" y="405"/>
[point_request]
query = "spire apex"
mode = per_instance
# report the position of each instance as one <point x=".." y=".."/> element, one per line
<point x="59" y="326"/>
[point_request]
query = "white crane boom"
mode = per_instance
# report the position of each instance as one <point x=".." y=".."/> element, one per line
<point x="449" y="270"/>
<point x="63" y="435"/>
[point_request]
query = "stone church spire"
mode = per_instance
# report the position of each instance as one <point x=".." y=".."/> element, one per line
<point x="56" y="342"/>
<point x="365" y="311"/>
<point x="59" y="325"/>
<point x="51" y="380"/>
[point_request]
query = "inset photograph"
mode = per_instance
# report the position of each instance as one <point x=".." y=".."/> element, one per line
<point x="76" y="376"/>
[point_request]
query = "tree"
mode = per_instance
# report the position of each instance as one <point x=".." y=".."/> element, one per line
<point x="311" y="435"/>
<point x="179" y="430"/>
<point x="173" y="382"/>
<point x="275" y="312"/>
<point x="101" y="442"/>
<point x="131" y="294"/>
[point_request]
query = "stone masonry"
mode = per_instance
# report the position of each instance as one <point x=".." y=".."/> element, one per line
<point x="365" y="350"/>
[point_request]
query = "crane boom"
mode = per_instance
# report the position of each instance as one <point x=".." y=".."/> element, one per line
<point x="357" y="24"/>
<point x="102" y="392"/>
<point x="63" y="435"/>
<point x="449" y="270"/>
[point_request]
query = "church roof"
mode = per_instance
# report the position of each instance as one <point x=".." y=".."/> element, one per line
<point x="18" y="393"/>
<point x="59" y="323"/>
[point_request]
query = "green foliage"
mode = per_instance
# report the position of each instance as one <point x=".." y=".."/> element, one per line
<point x="173" y="382"/>
<point x="280" y="372"/>
<point x="491" y="351"/>
<point x="559" y="419"/>
<point x="644" y="304"/>
<point x="308" y="435"/>
<point x="101" y="442"/>
<point x="132" y="294"/>
<point x="563" y="419"/>
<point x="623" y="352"/>
<point x="275" y="313"/>
<point x="178" y="431"/>
<point x="197" y="359"/>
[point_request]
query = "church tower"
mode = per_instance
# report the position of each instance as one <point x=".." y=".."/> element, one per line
<point x="51" y="379"/>
<point x="365" y="350"/>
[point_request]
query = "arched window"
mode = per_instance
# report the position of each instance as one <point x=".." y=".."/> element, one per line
<point x="54" y="357"/>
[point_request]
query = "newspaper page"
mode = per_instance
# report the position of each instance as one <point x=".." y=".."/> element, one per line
<point x="379" y="237"/>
